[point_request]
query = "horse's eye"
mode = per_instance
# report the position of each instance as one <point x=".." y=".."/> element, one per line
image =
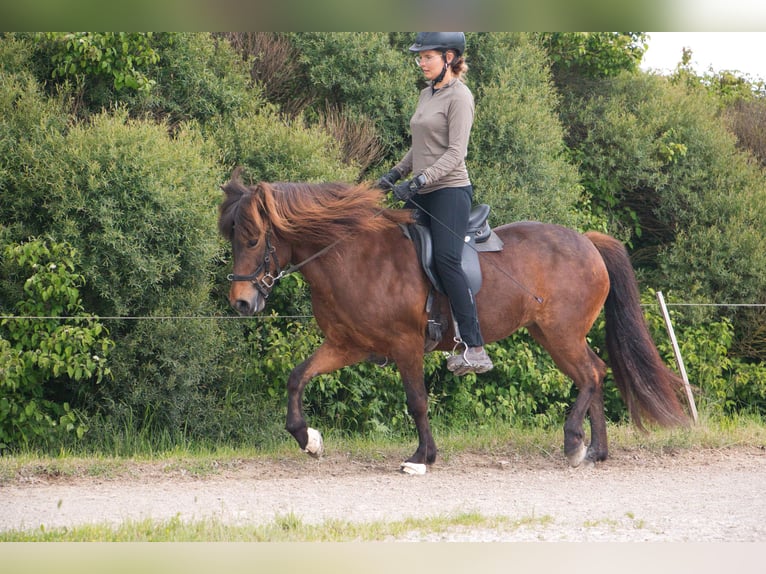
<point x="252" y="243"/>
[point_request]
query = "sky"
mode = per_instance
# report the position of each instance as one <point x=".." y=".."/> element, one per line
<point x="741" y="51"/>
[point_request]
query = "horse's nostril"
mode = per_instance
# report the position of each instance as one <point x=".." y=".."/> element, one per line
<point x="242" y="307"/>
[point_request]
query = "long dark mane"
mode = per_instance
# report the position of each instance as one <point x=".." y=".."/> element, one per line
<point x="316" y="213"/>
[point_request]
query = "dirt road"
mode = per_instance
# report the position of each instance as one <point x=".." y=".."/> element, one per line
<point x="687" y="496"/>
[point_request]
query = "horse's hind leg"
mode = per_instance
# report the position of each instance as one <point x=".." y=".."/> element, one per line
<point x="325" y="359"/>
<point x="580" y="363"/>
<point x="598" y="448"/>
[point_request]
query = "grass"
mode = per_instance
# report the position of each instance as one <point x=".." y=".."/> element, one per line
<point x="284" y="528"/>
<point x="497" y="440"/>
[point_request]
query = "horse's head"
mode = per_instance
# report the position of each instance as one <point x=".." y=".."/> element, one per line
<point x="257" y="253"/>
<point x="268" y="224"/>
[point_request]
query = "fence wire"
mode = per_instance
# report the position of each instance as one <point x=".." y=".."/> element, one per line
<point x="271" y="317"/>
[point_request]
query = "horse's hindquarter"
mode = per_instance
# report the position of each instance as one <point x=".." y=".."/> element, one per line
<point x="550" y="262"/>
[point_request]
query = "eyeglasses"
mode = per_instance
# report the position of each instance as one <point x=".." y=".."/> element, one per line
<point x="425" y="59"/>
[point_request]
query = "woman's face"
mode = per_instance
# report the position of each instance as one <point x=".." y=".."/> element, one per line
<point x="430" y="62"/>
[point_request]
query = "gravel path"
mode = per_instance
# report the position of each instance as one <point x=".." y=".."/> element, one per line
<point x="687" y="496"/>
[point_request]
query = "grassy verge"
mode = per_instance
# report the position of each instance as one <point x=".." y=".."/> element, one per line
<point x="499" y="440"/>
<point x="286" y="528"/>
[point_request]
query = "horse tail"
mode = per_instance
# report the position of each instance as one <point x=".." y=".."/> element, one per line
<point x="648" y="387"/>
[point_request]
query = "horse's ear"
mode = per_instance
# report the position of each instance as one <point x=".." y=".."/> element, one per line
<point x="235" y="187"/>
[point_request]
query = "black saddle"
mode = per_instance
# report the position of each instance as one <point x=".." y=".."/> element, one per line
<point x="479" y="237"/>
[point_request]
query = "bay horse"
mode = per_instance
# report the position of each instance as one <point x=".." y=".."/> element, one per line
<point x="368" y="293"/>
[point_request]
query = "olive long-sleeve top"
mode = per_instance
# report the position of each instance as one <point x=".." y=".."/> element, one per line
<point x="441" y="128"/>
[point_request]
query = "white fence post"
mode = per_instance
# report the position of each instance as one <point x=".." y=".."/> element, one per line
<point x="677" y="353"/>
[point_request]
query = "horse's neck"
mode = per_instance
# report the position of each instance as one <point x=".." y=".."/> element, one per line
<point x="312" y="260"/>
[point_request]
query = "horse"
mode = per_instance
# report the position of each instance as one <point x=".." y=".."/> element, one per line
<point x="369" y="293"/>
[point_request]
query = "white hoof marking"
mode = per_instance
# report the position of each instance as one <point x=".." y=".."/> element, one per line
<point x="413" y="468"/>
<point x="315" y="445"/>
<point x="575" y="459"/>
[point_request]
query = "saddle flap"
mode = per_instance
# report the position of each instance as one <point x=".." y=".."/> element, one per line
<point x="479" y="237"/>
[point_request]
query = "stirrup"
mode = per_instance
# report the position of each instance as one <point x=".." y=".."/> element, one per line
<point x="461" y="363"/>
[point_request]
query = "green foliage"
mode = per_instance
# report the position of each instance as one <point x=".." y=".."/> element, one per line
<point x="276" y="149"/>
<point x="200" y="79"/>
<point x="364" y="74"/>
<point x="137" y="204"/>
<point x="658" y="163"/>
<point x="31" y="132"/>
<point x="517" y="158"/>
<point x="175" y="77"/>
<point x="525" y="387"/>
<point x="627" y="153"/>
<point x="141" y="206"/>
<point x="41" y="360"/>
<point x="122" y="57"/>
<point x="128" y="177"/>
<point x="594" y="54"/>
<point x="723" y="385"/>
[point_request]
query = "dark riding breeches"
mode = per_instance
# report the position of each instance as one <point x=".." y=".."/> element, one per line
<point x="446" y="211"/>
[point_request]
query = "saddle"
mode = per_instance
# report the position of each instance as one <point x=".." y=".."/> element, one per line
<point x="479" y="237"/>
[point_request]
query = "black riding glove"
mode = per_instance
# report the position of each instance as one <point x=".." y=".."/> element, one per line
<point x="406" y="190"/>
<point x="386" y="183"/>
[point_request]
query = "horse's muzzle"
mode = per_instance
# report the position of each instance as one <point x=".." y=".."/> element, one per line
<point x="243" y="307"/>
<point x="246" y="300"/>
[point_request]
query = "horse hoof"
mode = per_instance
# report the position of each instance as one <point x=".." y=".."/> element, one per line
<point x="576" y="458"/>
<point x="413" y="468"/>
<point x="315" y="445"/>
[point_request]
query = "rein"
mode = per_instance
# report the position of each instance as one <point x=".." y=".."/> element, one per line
<point x="266" y="283"/>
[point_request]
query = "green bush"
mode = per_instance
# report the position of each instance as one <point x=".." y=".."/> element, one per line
<point x="172" y="77"/>
<point x="525" y="387"/>
<point x="364" y="74"/>
<point x="657" y="160"/>
<point x="723" y="384"/>
<point x="140" y="208"/>
<point x="45" y="362"/>
<point x="31" y="134"/>
<point x="276" y="149"/>
<point x="200" y="78"/>
<point x="121" y="57"/>
<point x="517" y="158"/>
<point x="593" y="54"/>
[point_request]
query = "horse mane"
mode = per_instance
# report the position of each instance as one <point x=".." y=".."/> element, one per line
<point x="317" y="213"/>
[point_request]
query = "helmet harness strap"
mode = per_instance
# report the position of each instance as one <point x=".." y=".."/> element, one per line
<point x="440" y="77"/>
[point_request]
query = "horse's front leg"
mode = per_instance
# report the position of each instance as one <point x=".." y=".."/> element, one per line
<point x="411" y="371"/>
<point x="326" y="359"/>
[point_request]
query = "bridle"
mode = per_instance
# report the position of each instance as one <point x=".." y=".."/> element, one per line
<point x="261" y="278"/>
<point x="265" y="283"/>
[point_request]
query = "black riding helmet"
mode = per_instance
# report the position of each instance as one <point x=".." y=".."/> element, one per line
<point x="441" y="41"/>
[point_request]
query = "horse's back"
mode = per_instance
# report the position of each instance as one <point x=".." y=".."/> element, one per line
<point x="548" y="246"/>
<point x="545" y="271"/>
<point x="543" y="234"/>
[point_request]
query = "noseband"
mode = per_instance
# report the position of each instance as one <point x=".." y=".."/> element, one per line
<point x="264" y="283"/>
